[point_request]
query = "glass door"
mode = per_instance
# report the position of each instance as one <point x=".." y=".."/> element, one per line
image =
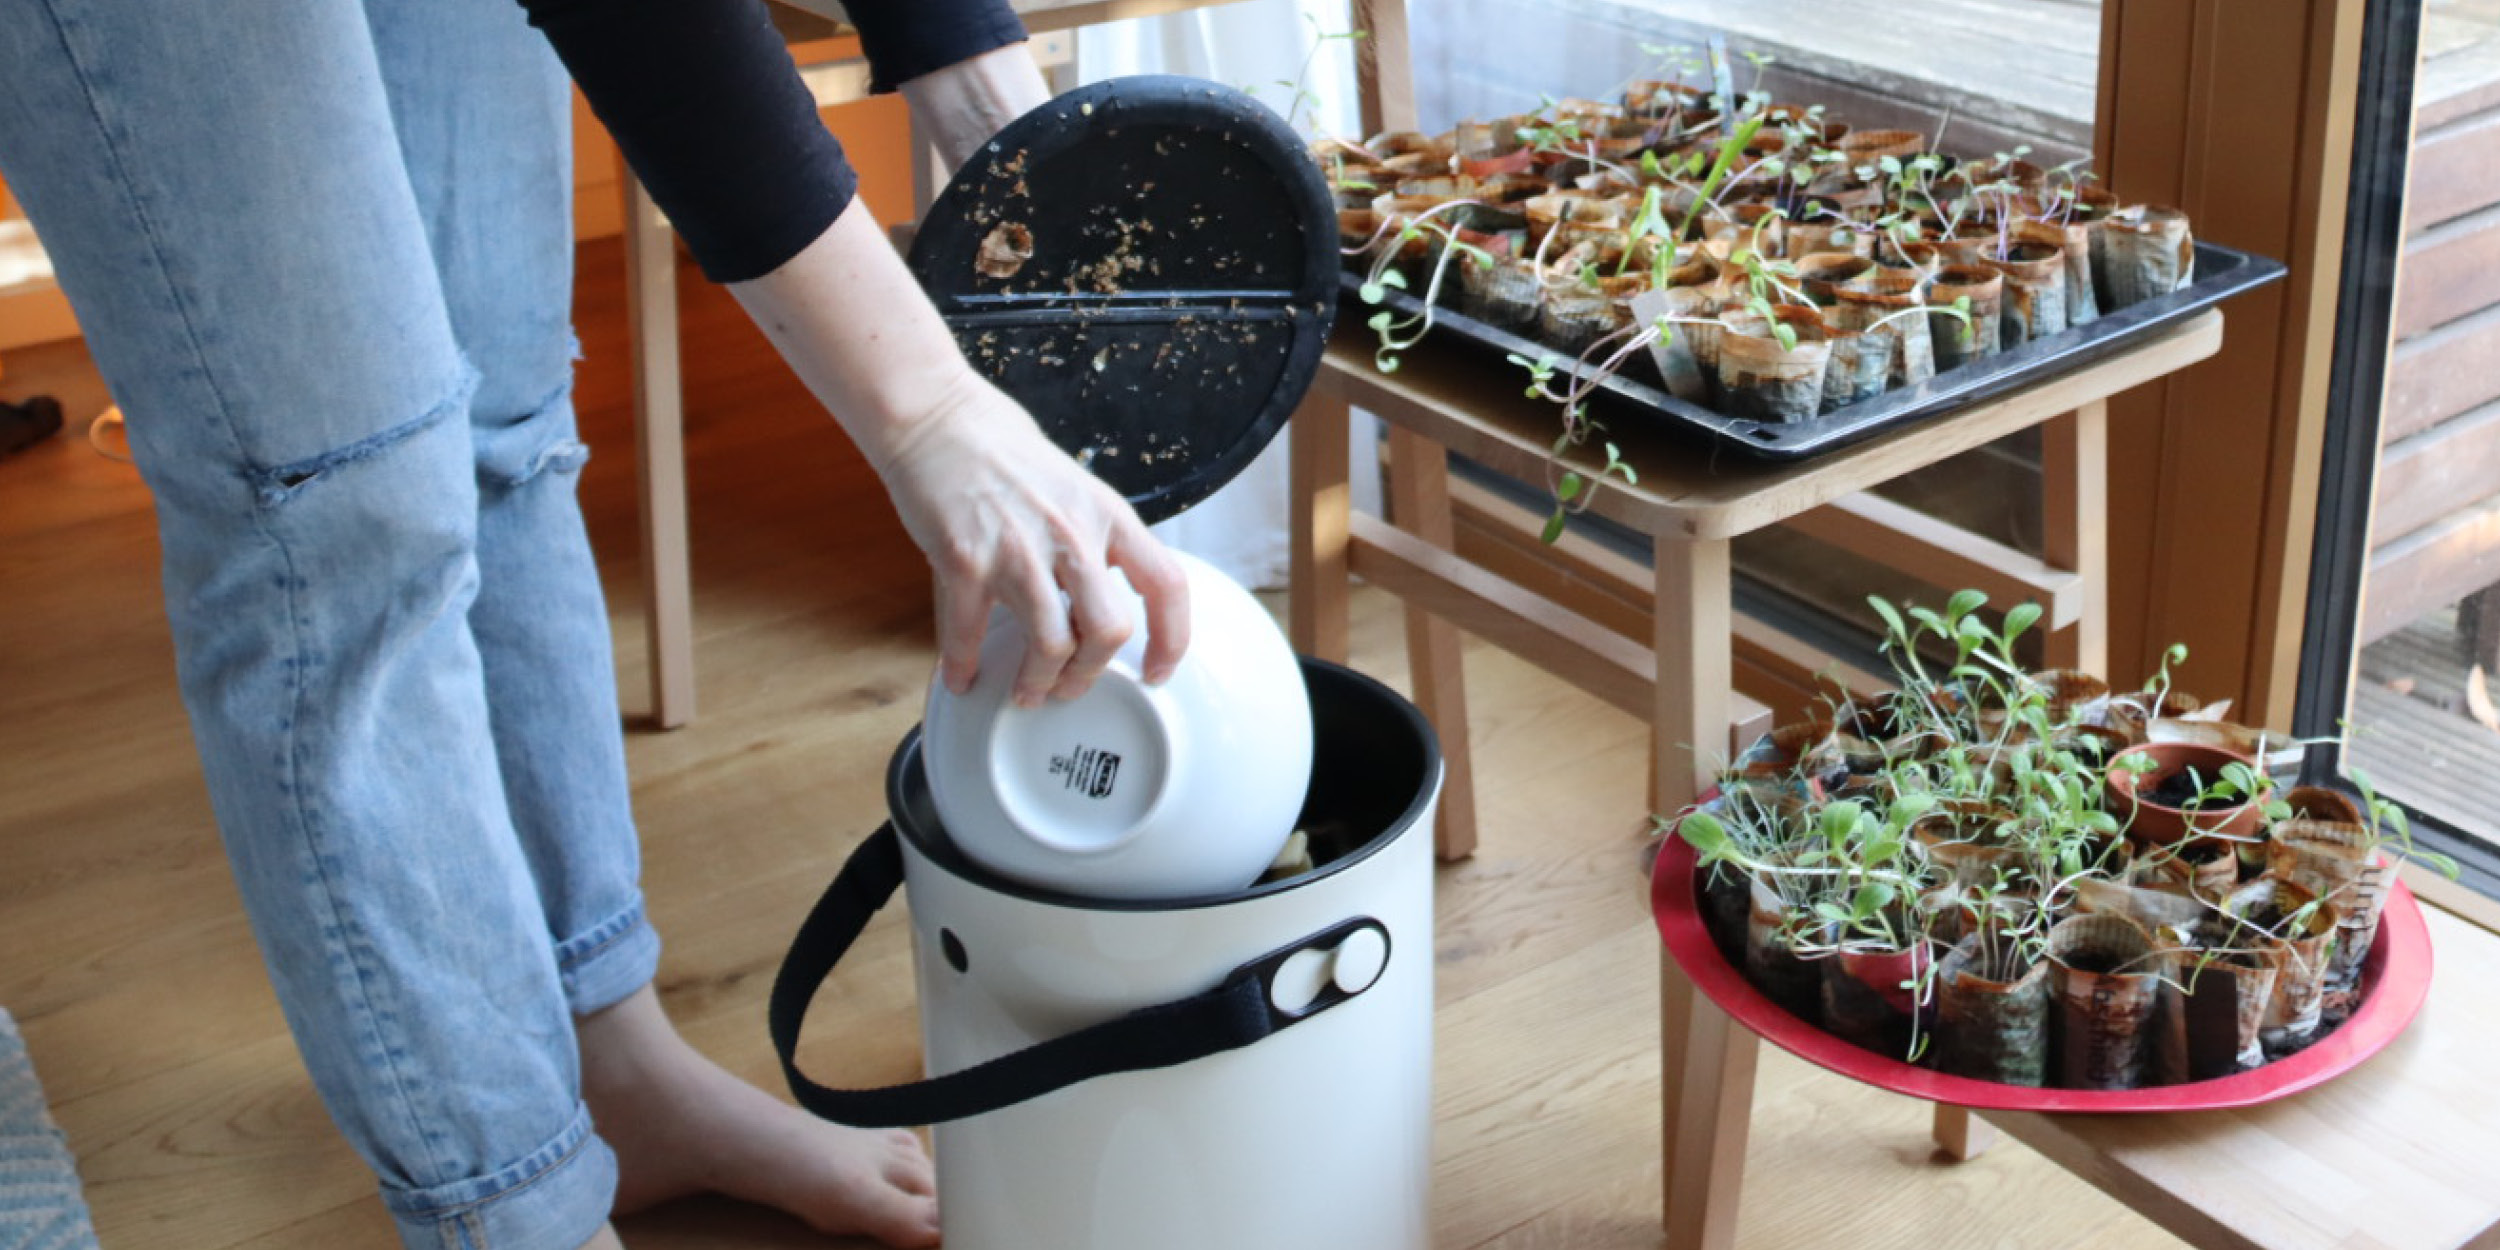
<point x="2403" y="651"/>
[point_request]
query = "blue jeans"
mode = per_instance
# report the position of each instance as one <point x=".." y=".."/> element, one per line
<point x="322" y="253"/>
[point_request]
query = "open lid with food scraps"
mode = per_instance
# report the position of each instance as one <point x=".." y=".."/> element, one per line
<point x="1149" y="265"/>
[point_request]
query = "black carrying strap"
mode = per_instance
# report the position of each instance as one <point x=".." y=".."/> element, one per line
<point x="1231" y="1015"/>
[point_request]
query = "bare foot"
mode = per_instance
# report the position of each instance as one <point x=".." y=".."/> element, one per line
<point x="680" y="1124"/>
<point x="606" y="1240"/>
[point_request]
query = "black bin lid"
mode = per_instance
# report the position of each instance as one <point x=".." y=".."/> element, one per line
<point x="1147" y="264"/>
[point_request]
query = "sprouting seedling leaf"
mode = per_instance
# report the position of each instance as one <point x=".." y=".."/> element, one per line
<point x="2020" y="617"/>
<point x="1706" y="835"/>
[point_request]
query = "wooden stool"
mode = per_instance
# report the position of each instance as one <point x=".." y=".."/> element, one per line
<point x="2402" y="1151"/>
<point x="1666" y="647"/>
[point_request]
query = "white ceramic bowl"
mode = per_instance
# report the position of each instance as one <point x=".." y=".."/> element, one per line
<point x="1131" y="791"/>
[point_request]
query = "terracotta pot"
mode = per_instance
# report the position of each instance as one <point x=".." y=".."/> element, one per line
<point x="2154" y="824"/>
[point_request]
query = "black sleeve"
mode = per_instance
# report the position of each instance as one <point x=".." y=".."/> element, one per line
<point x="703" y="100"/>
<point x="907" y="38"/>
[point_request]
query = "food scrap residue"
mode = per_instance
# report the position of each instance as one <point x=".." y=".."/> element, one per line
<point x="1004" y="250"/>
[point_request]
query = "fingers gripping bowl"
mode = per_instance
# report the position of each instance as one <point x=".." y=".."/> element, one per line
<point x="1129" y="790"/>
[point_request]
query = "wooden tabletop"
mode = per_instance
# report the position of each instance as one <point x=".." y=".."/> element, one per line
<point x="1475" y="406"/>
<point x="2402" y="1153"/>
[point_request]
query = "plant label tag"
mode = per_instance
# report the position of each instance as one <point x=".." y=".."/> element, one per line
<point x="1672" y="350"/>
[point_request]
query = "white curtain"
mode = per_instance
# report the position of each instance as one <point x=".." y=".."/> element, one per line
<point x="1261" y="47"/>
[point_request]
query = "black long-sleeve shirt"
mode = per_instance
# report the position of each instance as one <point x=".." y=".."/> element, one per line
<point x="702" y="98"/>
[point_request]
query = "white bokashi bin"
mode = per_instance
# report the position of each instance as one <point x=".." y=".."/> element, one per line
<point x="1245" y="1072"/>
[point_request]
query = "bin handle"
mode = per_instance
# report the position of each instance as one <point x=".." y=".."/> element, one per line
<point x="1235" y="1013"/>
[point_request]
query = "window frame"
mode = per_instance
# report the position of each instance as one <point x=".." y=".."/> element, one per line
<point x="2364" y="340"/>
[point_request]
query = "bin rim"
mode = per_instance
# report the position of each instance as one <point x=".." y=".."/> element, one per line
<point x="905" y="777"/>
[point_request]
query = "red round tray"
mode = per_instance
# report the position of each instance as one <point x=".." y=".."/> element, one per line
<point x="2397" y="976"/>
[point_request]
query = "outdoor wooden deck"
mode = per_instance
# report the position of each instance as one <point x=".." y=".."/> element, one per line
<point x="2435" y="536"/>
<point x="2411" y="731"/>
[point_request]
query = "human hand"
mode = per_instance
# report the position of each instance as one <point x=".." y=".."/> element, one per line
<point x="1008" y="518"/>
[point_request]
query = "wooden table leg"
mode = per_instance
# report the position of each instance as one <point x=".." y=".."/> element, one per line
<point x="1961" y="1135"/>
<point x="2074" y="498"/>
<point x="1707" y="1069"/>
<point x="1419" y="503"/>
<point x="1322" y="501"/>
<point x="1706" y="1059"/>
<point x="660" y="451"/>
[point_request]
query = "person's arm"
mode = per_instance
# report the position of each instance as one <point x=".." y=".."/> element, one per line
<point x="703" y="100"/>
<point x="959" y="107"/>
<point x="1005" y="515"/>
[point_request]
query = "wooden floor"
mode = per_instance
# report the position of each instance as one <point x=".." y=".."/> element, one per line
<point x="127" y="962"/>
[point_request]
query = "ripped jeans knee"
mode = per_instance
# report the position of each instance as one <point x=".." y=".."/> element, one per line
<point x="513" y="451"/>
<point x="275" y="485"/>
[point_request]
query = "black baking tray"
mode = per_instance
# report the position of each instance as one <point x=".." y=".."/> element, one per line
<point x="2221" y="272"/>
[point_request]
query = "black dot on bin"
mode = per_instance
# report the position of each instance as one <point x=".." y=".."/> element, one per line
<point x="953" y="948"/>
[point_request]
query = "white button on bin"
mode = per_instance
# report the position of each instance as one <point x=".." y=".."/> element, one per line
<point x="1360" y="959"/>
<point x="1298" y="981"/>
